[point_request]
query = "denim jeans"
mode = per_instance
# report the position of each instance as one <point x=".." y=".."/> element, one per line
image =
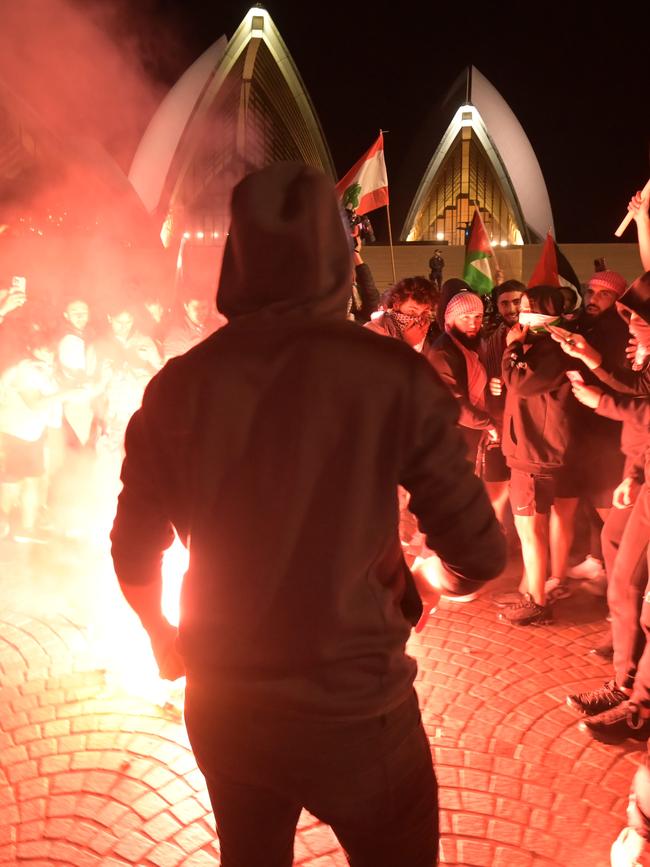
<point x="371" y="780"/>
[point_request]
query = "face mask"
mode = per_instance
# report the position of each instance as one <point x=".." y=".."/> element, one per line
<point x="537" y="321"/>
<point x="405" y="321"/>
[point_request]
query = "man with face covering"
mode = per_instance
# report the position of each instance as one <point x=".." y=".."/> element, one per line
<point x="455" y="357"/>
<point x="278" y="464"/>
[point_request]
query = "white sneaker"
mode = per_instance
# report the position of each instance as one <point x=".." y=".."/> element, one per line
<point x="591" y="569"/>
<point x="556" y="589"/>
<point x="597" y="586"/>
<point x="627" y="849"/>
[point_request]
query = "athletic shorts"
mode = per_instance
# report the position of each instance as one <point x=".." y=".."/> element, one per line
<point x="21" y="459"/>
<point x="532" y="493"/>
<point x="494" y="468"/>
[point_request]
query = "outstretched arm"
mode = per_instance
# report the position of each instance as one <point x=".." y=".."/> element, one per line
<point x="141" y="533"/>
<point x="449" y="501"/>
<point x="640" y="208"/>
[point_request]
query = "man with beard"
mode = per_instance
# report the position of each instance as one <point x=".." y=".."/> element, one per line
<point x="455" y="357"/>
<point x="195" y="322"/>
<point x="495" y="472"/>
<point x="599" y="461"/>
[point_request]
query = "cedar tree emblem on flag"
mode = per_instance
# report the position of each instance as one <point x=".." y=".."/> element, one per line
<point x="479" y="258"/>
<point x="365" y="187"/>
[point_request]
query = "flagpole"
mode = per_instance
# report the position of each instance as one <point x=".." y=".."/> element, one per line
<point x="390" y="230"/>
<point x="390" y="241"/>
<point x="494" y="255"/>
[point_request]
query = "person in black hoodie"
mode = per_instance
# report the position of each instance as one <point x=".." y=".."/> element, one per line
<point x="275" y="448"/>
<point x="621" y="708"/>
<point x="538" y="438"/>
<point x="599" y="459"/>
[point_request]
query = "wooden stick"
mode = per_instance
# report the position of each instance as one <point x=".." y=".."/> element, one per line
<point x="645" y="192"/>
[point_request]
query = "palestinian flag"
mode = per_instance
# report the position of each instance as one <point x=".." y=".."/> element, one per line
<point x="365" y="187"/>
<point x="479" y="258"/>
<point x="554" y="269"/>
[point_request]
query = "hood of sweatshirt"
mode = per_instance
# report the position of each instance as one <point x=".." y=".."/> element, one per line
<point x="287" y="251"/>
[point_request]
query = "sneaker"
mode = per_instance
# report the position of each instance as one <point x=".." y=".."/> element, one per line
<point x="597" y="700"/>
<point x="525" y="613"/>
<point x="597" y="586"/>
<point x="627" y="849"/>
<point x="617" y="724"/>
<point x="590" y="569"/>
<point x="604" y="652"/>
<point x="556" y="589"/>
<point x="468" y="597"/>
<point x="30" y="537"/>
<point x="512" y="597"/>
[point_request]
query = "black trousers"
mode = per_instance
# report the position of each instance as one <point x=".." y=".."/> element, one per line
<point x="628" y="595"/>
<point x="371" y="780"/>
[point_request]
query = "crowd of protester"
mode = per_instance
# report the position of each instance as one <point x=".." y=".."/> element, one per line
<point x="554" y="403"/>
<point x="71" y="376"/>
<point x="553" y="397"/>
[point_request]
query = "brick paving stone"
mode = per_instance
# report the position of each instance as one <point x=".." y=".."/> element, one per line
<point x="473" y="852"/>
<point x="176" y="791"/>
<point x="22" y="771"/>
<point x="511" y="858"/>
<point x="33" y="809"/>
<point x="62" y="805"/>
<point x="166" y="855"/>
<point x="161" y="827"/>
<point x="104" y="842"/>
<point x="319" y="840"/>
<point x="502" y="831"/>
<point x="193" y="837"/>
<point x="90" y="806"/>
<point x="148" y="805"/>
<point x="54" y="764"/>
<point x="82" y="833"/>
<point x="33" y="830"/>
<point x="8" y="853"/>
<point x="469" y="824"/>
<point x="520" y="786"/>
<point x="29" y="789"/>
<point x="188" y="811"/>
<point x="199" y="859"/>
<point x="33" y="849"/>
<point x="134" y="847"/>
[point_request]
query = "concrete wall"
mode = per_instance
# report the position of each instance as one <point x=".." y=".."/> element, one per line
<point x="516" y="262"/>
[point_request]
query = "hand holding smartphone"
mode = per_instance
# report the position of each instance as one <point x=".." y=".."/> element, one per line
<point x="574" y="376"/>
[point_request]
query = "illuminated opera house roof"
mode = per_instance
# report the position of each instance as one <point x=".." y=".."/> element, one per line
<point x="240" y="106"/>
<point x="483" y="159"/>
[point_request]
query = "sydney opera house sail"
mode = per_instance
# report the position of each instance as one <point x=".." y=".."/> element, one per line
<point x="484" y="160"/>
<point x="240" y="106"/>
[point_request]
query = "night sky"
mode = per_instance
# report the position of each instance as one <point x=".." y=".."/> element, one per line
<point x="578" y="82"/>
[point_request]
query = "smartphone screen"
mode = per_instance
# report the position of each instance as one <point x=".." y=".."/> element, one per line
<point x="574" y="376"/>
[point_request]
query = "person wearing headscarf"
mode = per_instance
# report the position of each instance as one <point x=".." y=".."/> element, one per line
<point x="409" y="314"/>
<point x="455" y="357"/>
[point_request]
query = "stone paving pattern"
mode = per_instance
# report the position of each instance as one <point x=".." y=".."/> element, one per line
<point x="91" y="774"/>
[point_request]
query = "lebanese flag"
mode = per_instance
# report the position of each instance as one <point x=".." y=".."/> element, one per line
<point x="365" y="187"/>
<point x="554" y="269"/>
<point x="480" y="263"/>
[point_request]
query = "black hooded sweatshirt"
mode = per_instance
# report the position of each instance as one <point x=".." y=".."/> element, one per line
<point x="278" y="463"/>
